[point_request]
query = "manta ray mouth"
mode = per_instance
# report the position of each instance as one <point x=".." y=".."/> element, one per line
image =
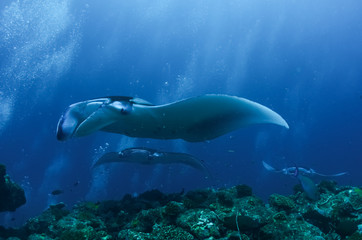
<point x="60" y="134"/>
<point x="64" y="132"/>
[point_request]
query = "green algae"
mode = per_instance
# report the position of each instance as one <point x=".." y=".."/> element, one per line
<point x="358" y="191"/>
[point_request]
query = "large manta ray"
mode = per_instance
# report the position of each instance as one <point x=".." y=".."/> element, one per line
<point x="150" y="156"/>
<point x="194" y="119"/>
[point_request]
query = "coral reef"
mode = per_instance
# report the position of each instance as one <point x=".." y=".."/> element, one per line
<point x="12" y="195"/>
<point x="225" y="214"/>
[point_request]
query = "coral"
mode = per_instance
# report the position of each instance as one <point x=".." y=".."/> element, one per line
<point x="133" y="235"/>
<point x="327" y="186"/>
<point x="72" y="235"/>
<point x="290" y="229"/>
<point x="280" y="216"/>
<point x="48" y="218"/>
<point x="2" y="173"/>
<point x="356" y="199"/>
<point x="201" y="223"/>
<point x="146" y="219"/>
<point x="225" y="199"/>
<point x="318" y="218"/>
<point x="281" y="203"/>
<point x="355" y="236"/>
<point x="171" y="233"/>
<point x="249" y="214"/>
<point x="243" y="191"/>
<point x="202" y="214"/>
<point x="152" y="196"/>
<point x="358" y="191"/>
<point x="346" y="227"/>
<point x="245" y="223"/>
<point x="172" y="209"/>
<point x="197" y="198"/>
<point x="58" y="211"/>
<point x="39" y="237"/>
<point x="12" y="195"/>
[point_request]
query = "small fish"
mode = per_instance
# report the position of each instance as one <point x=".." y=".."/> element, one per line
<point x="76" y="183"/>
<point x="57" y="192"/>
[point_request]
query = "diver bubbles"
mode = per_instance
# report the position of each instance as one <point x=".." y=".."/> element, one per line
<point x="176" y="89"/>
<point x="102" y="174"/>
<point x="53" y="176"/>
<point x="5" y="110"/>
<point x="38" y="41"/>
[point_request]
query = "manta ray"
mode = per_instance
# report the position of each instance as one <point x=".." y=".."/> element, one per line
<point x="151" y="156"/>
<point x="303" y="174"/>
<point x="194" y="119"/>
<point x="305" y="171"/>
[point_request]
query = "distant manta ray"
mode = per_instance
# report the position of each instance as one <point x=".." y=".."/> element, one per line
<point x="194" y="119"/>
<point x="292" y="170"/>
<point x="151" y="156"/>
<point x="302" y="174"/>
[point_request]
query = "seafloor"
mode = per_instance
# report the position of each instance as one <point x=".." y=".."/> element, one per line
<point x="233" y="213"/>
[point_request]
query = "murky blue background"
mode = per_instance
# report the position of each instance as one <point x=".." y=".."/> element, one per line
<point x="302" y="59"/>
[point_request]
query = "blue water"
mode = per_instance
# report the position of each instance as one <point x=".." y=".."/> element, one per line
<point x="302" y="59"/>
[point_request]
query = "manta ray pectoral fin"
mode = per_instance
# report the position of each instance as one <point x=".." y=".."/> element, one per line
<point x="331" y="175"/>
<point x="105" y="115"/>
<point x="257" y="113"/>
<point x="268" y="167"/>
<point x="107" y="158"/>
<point x="209" y="116"/>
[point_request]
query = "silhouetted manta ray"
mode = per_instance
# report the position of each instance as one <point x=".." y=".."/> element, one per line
<point x="151" y="156"/>
<point x="194" y="119"/>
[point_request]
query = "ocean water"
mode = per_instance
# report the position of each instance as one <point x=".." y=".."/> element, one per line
<point x="302" y="59"/>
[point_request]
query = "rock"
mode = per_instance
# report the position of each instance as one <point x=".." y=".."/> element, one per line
<point x="290" y="229"/>
<point x="346" y="227"/>
<point x="171" y="233"/>
<point x="328" y="186"/>
<point x="127" y="234"/>
<point x="146" y="219"/>
<point x="39" y="237"/>
<point x="243" y="191"/>
<point x="251" y="214"/>
<point x="202" y="223"/>
<point x="225" y="199"/>
<point x="224" y="214"/>
<point x="197" y="198"/>
<point x="12" y="195"/>
<point x="172" y="210"/>
<point x="281" y="203"/>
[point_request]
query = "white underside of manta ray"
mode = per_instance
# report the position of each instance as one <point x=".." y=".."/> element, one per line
<point x="150" y="156"/>
<point x="194" y="119"/>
